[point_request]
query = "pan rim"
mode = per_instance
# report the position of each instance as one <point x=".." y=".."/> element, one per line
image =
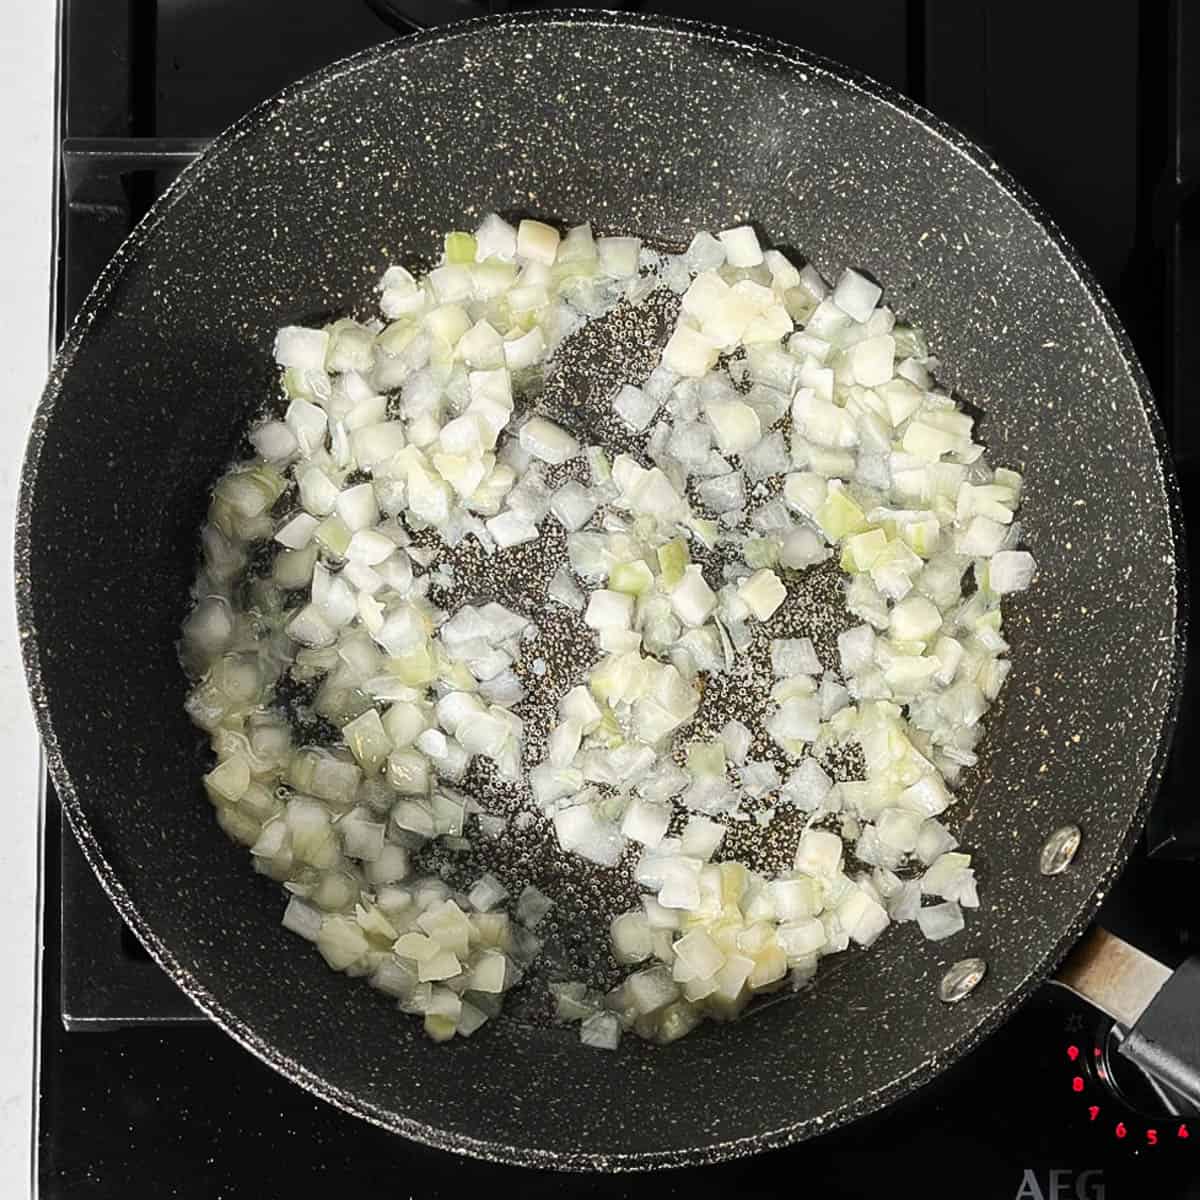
<point x="493" y="1150"/>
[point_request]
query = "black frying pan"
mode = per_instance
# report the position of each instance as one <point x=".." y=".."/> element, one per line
<point x="656" y="128"/>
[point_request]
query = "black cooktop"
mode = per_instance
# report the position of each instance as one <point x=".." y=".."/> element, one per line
<point x="141" y="1097"/>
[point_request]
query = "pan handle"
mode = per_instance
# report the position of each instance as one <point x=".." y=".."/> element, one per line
<point x="1159" y="1007"/>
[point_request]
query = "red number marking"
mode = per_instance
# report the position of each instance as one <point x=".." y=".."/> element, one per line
<point x="1121" y="1131"/>
<point x="1183" y="1133"/>
<point x="1093" y="1111"/>
<point x="1077" y="1083"/>
<point x="1072" y="1052"/>
<point x="1151" y="1137"/>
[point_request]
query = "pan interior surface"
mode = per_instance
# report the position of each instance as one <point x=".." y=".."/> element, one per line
<point x="649" y="128"/>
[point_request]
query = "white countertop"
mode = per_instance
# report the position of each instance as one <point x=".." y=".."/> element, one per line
<point x="27" y="71"/>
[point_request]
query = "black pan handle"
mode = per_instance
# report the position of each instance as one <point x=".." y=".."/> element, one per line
<point x="1159" y="1007"/>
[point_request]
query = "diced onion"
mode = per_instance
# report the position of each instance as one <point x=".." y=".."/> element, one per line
<point x="741" y="246"/>
<point x="856" y="295"/>
<point x="547" y="441"/>
<point x="762" y="449"/>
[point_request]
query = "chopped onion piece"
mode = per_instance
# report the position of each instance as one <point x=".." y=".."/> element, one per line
<point x="762" y="593"/>
<point x="735" y="424"/>
<point x="274" y="441"/>
<point x="486" y="893"/>
<point x="736" y="739"/>
<point x="301" y="348"/>
<point x="646" y="822"/>
<point x="692" y="599"/>
<point x="794" y="656"/>
<point x="1011" y="571"/>
<point x="618" y="256"/>
<point x="525" y="351"/>
<point x="861" y="916"/>
<point x="495" y="238"/>
<point x="565" y="590"/>
<point x="634" y="407"/>
<point x="689" y="352"/>
<point x="630" y="936"/>
<point x="573" y="505"/>
<point x="798" y="720"/>
<point x="940" y="921"/>
<point x="701" y="838"/>
<point x="357" y="507"/>
<point x="872" y="360"/>
<point x="808" y="786"/>
<point x="914" y="619"/>
<point x="601" y="1031"/>
<point x="607" y="609"/>
<point x="819" y="853"/>
<point x="741" y="246"/>
<point x="533" y="907"/>
<point x="510" y="529"/>
<point x="547" y="441"/>
<point x="856" y="295"/>
<point x="537" y="242"/>
<point x="579" y="830"/>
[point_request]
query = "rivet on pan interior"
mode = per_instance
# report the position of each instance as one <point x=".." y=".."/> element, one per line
<point x="961" y="980"/>
<point x="1059" y="849"/>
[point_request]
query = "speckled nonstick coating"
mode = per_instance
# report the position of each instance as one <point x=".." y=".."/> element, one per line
<point x="656" y="128"/>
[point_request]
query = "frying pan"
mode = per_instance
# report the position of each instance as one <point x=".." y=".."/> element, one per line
<point x="657" y="128"/>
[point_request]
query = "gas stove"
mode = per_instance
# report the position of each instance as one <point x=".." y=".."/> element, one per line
<point x="141" y="1096"/>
